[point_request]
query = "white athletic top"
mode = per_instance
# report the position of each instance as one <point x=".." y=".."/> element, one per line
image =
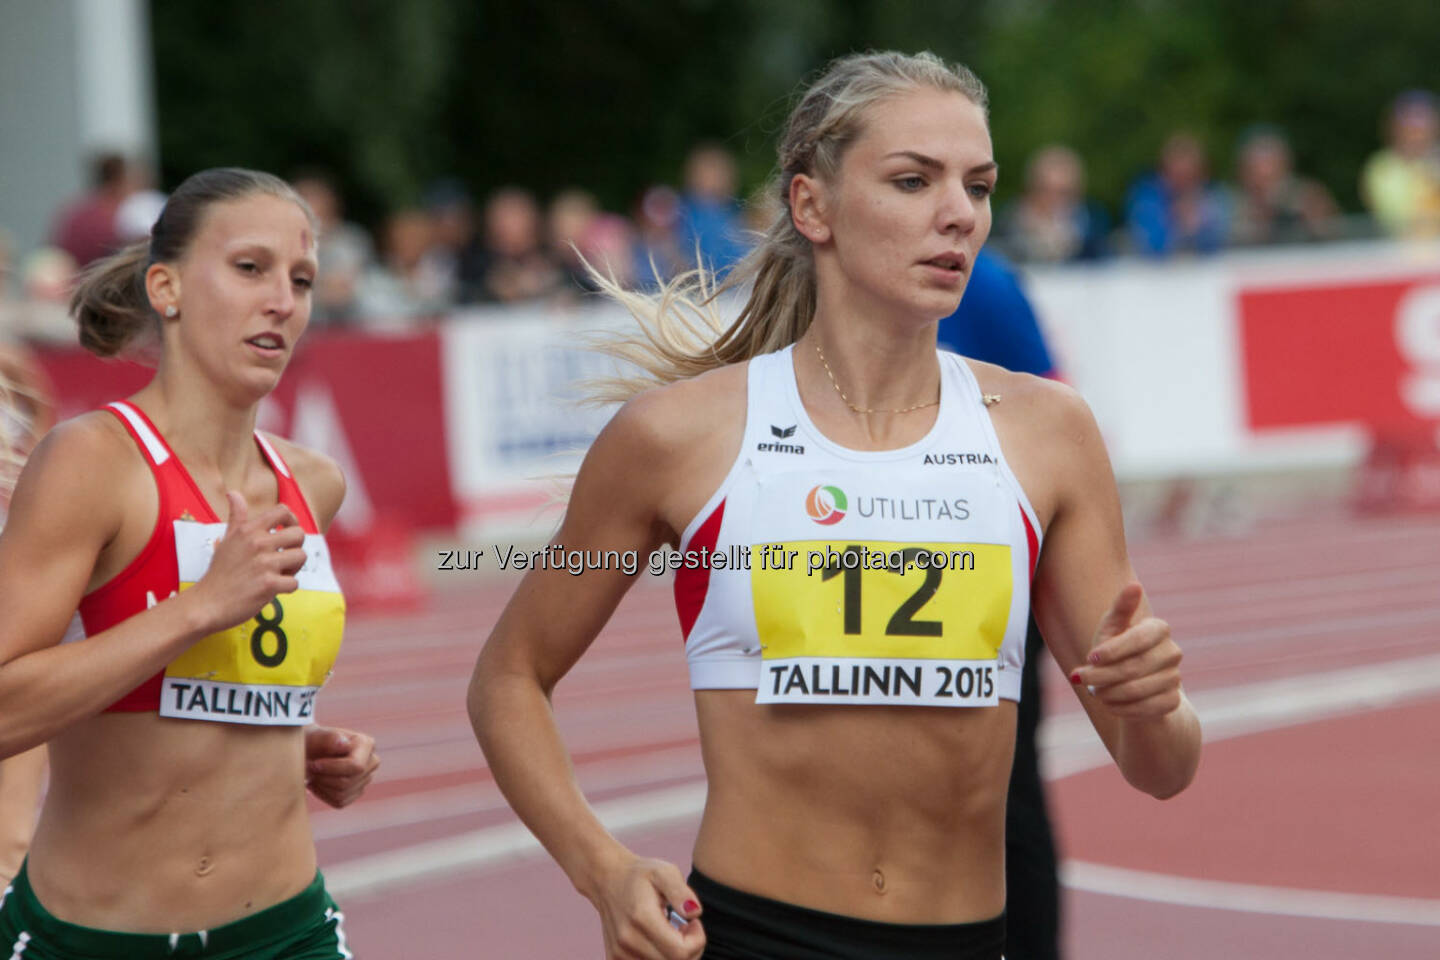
<point x="820" y="574"/>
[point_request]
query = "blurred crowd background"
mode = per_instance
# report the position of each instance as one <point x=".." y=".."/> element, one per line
<point x="465" y="153"/>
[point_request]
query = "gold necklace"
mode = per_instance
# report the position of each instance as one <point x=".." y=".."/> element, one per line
<point x="836" y="385"/>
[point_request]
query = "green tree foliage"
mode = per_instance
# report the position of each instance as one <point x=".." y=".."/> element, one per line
<point x="610" y="95"/>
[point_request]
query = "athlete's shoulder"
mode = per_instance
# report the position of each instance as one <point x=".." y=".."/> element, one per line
<point x="678" y="416"/>
<point x="95" y="438"/>
<point x="320" y="477"/>
<point x="79" y="469"/>
<point x="1045" y="403"/>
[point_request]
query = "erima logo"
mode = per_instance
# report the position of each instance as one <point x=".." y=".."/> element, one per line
<point x="952" y="459"/>
<point x="783" y="433"/>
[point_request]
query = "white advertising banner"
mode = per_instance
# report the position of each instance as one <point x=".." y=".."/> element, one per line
<point x="515" y="425"/>
<point x="1243" y="362"/>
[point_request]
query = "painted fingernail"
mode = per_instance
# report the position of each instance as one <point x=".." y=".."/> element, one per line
<point x="1094" y="657"/>
<point x="1075" y="677"/>
<point x="690" y="906"/>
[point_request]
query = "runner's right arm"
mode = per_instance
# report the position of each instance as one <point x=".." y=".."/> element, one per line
<point x="549" y="623"/>
<point x="64" y="512"/>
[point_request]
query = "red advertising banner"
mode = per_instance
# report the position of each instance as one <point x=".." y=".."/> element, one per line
<point x="375" y="404"/>
<point x="1343" y="353"/>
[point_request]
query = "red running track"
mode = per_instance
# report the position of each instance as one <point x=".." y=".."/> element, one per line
<point x="1312" y="652"/>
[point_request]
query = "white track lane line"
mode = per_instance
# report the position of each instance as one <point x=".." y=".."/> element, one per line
<point x="500" y="844"/>
<point x="1247" y="898"/>
<point x="1068" y="746"/>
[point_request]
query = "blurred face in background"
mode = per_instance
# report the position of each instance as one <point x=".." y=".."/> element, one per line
<point x="1264" y="165"/>
<point x="48" y="275"/>
<point x="1182" y="163"/>
<point x="454" y="224"/>
<point x="710" y="173"/>
<point x="512" y="223"/>
<point x="572" y="215"/>
<point x="408" y="234"/>
<point x="322" y="199"/>
<point x="658" y="211"/>
<point x="1055" y="180"/>
<point x="1415" y="127"/>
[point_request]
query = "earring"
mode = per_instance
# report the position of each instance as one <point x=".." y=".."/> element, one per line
<point x="171" y="312"/>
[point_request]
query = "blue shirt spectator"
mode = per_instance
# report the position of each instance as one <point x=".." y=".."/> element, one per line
<point x="995" y="322"/>
<point x="1177" y="209"/>
<point x="710" y="223"/>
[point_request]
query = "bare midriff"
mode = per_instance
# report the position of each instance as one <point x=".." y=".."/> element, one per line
<point x="155" y="825"/>
<point x="894" y="814"/>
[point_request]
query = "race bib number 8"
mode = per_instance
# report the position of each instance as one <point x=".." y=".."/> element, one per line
<point x="267" y="669"/>
<point x="880" y="622"/>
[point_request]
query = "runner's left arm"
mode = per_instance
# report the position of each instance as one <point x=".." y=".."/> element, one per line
<point x="1097" y="621"/>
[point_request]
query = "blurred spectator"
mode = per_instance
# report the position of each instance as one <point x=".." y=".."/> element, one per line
<point x="572" y="214"/>
<point x="455" y="261"/>
<point x="1177" y="209"/>
<point x="138" y="212"/>
<point x="516" y="267"/>
<point x="1273" y="205"/>
<point x="711" y="225"/>
<point x="1052" y="222"/>
<point x="609" y="244"/>
<point x="657" y="244"/>
<point x="345" y="251"/>
<point x="400" y="289"/>
<point x="995" y="321"/>
<point x="43" y="311"/>
<point x="581" y="233"/>
<point x="86" y="228"/>
<point x="1401" y="183"/>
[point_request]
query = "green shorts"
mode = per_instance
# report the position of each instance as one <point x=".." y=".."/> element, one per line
<point x="308" y="926"/>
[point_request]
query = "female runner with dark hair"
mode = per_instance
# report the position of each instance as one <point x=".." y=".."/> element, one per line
<point x="856" y="684"/>
<point x="168" y="612"/>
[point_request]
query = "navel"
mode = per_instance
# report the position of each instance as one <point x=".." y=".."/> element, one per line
<point x="204" y="867"/>
<point x="878" y="880"/>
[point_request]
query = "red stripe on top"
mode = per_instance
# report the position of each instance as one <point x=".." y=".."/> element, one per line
<point x="691" y="586"/>
<point x="155" y="571"/>
<point x="1031" y="541"/>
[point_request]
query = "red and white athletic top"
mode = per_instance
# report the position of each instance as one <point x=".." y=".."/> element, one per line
<point x="820" y="574"/>
<point x="264" y="671"/>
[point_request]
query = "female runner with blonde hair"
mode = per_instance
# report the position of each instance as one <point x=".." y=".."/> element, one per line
<point x="168" y="612"/>
<point x="856" y="682"/>
<point x="26" y="413"/>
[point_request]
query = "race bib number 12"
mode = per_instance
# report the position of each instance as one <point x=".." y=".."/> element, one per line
<point x="898" y="623"/>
